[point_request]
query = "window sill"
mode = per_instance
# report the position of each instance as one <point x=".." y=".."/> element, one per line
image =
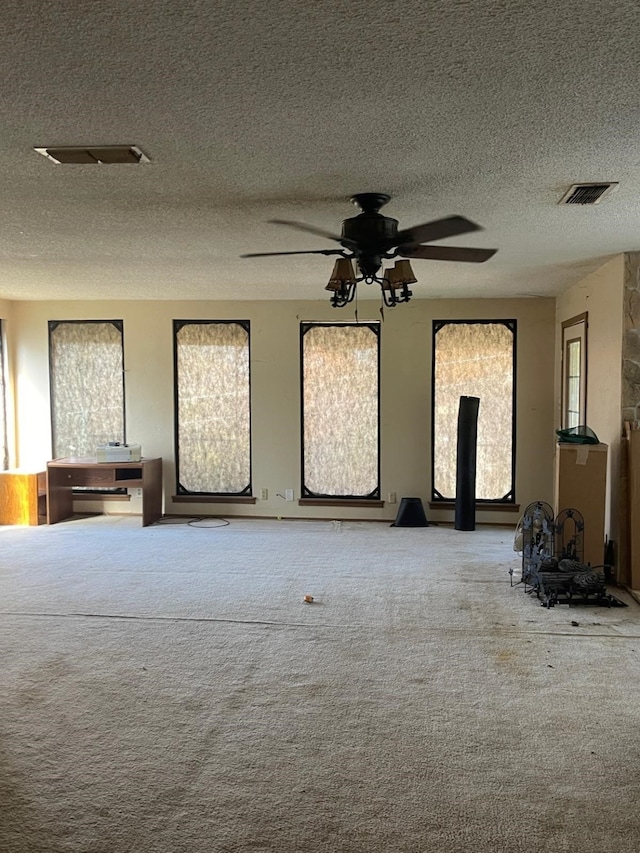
<point x="480" y="507"/>
<point x="213" y="499"/>
<point x="339" y="502"/>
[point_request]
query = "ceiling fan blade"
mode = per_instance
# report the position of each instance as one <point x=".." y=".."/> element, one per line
<point x="309" y="252"/>
<point x="311" y="229"/>
<point x="446" y="253"/>
<point x="450" y="226"/>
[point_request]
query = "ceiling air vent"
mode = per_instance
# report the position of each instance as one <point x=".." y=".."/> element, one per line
<point x="587" y="193"/>
<point x="94" y="154"/>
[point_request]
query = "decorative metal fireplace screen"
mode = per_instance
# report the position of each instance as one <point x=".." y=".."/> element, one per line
<point x="552" y="559"/>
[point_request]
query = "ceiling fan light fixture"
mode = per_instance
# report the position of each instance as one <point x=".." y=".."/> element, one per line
<point x="343" y="274"/>
<point x="395" y="283"/>
<point x="404" y="272"/>
<point x="342" y="283"/>
<point x="392" y="279"/>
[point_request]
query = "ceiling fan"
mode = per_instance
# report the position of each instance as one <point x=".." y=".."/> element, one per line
<point x="369" y="238"/>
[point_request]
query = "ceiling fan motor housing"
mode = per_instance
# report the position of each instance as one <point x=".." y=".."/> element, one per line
<point x="371" y="230"/>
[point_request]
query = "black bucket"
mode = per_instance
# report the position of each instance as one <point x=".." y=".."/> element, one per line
<point x="410" y="514"/>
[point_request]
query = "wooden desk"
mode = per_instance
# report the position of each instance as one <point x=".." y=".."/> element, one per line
<point x="64" y="474"/>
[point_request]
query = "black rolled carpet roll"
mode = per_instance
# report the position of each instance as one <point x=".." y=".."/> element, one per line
<point x="465" y="517"/>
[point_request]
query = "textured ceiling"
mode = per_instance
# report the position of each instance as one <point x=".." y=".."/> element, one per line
<point x="285" y="108"/>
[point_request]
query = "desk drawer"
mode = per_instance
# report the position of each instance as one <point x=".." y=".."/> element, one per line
<point x="81" y="477"/>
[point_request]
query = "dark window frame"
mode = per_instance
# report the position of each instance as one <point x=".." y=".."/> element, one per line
<point x="581" y="322"/>
<point x="181" y="491"/>
<point x="306" y="493"/>
<point x="510" y="497"/>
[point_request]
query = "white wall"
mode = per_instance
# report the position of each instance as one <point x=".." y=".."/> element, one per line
<point x="601" y="295"/>
<point x="405" y="391"/>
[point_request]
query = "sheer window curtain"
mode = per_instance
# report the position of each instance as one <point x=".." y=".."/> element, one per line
<point x="340" y="390"/>
<point x="87" y="385"/>
<point x="478" y="360"/>
<point x="213" y="407"/>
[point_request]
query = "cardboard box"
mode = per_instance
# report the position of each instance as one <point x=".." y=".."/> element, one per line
<point x="581" y="484"/>
<point x="632" y="436"/>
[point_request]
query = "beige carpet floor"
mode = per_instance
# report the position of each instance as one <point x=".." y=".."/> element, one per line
<point x="166" y="689"/>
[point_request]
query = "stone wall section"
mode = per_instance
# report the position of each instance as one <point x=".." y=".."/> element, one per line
<point x="630" y="398"/>
<point x="631" y="338"/>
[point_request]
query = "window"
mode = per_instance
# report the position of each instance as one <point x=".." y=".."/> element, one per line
<point x="212" y="404"/>
<point x="340" y="410"/>
<point x="86" y="363"/>
<point x="574" y="372"/>
<point x="476" y="359"/>
<point x="4" y="443"/>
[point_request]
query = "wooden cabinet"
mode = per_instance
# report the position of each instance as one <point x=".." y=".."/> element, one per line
<point x="23" y="497"/>
<point x="581" y="483"/>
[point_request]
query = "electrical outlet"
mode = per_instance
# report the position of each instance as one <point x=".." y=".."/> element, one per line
<point x="264" y="494"/>
<point x="392" y="497"/>
<point x="138" y="493"/>
<point x="288" y="495"/>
